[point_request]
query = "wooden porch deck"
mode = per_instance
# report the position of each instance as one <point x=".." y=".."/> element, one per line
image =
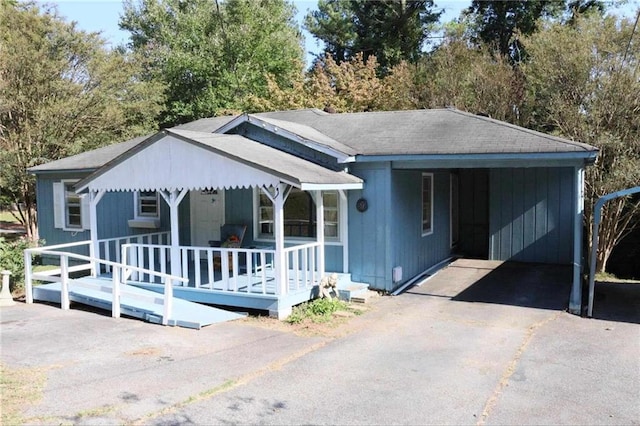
<point x="248" y="291"/>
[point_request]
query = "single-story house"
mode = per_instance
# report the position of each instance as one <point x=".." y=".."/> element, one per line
<point x="378" y="197"/>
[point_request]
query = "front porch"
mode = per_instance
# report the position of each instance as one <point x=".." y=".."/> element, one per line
<point x="237" y="278"/>
<point x="175" y="165"/>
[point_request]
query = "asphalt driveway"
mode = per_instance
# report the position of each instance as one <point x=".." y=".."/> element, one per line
<point x="479" y="343"/>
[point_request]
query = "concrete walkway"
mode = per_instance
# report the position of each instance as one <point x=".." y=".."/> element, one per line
<point x="476" y="344"/>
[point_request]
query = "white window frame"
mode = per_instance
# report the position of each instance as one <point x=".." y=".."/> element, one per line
<point x="141" y="220"/>
<point x="341" y="222"/>
<point x="424" y="220"/>
<point x="137" y="201"/>
<point x="61" y="207"/>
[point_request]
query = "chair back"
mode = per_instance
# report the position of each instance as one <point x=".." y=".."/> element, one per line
<point x="229" y="230"/>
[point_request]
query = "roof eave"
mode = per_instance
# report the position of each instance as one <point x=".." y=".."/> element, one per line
<point x="35" y="171"/>
<point x="331" y="186"/>
<point x="588" y="156"/>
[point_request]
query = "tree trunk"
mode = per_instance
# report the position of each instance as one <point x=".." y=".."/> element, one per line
<point x="617" y="215"/>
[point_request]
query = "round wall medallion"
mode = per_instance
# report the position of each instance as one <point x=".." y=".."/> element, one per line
<point x="362" y="205"/>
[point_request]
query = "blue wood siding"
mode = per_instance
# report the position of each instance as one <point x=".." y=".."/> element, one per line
<point x="370" y="252"/>
<point x="114" y="211"/>
<point x="410" y="249"/>
<point x="531" y="218"/>
<point x="44" y="197"/>
<point x="265" y="137"/>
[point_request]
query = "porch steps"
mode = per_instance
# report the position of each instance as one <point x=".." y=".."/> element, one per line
<point x="135" y="302"/>
<point x="350" y="291"/>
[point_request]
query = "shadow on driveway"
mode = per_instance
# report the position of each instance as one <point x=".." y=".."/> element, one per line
<point x="522" y="284"/>
<point x="615" y="301"/>
<point x="506" y="283"/>
<point x="530" y="285"/>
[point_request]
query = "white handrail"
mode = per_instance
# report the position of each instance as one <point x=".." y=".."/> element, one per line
<point x="302" y="246"/>
<point x="117" y="267"/>
<point x="58" y="246"/>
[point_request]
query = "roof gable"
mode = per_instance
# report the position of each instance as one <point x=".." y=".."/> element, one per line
<point x="181" y="159"/>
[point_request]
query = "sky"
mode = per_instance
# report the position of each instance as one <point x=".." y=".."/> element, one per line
<point x="103" y="16"/>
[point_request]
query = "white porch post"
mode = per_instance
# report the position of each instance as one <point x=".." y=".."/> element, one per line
<point x="278" y="199"/>
<point x="343" y="230"/>
<point x="94" y="249"/>
<point x="278" y="234"/>
<point x="173" y="199"/>
<point x="320" y="231"/>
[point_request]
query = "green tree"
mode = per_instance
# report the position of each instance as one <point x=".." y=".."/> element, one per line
<point x="61" y="92"/>
<point x="497" y="21"/>
<point x="391" y="30"/>
<point x="211" y="55"/>
<point x="591" y="93"/>
<point x="351" y="86"/>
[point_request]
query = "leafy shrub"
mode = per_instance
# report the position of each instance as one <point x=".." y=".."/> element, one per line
<point x="318" y="310"/>
<point x="12" y="259"/>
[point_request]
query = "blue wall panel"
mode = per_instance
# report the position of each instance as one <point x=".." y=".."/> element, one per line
<point x="115" y="209"/>
<point x="411" y="250"/>
<point x="531" y="216"/>
<point x="266" y="137"/>
<point x="370" y="231"/>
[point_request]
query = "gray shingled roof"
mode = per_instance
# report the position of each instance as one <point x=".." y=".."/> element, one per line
<point x="268" y="159"/>
<point x="307" y="133"/>
<point x="89" y="160"/>
<point x="434" y="131"/>
<point x="208" y="125"/>
<point x="389" y="133"/>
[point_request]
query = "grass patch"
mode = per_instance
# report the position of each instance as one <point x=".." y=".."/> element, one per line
<point x="96" y="412"/>
<point x="319" y="311"/>
<point x="611" y="278"/>
<point x="6" y="216"/>
<point x="18" y="389"/>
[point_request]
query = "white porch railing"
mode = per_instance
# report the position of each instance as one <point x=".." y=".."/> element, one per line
<point x="110" y="248"/>
<point x="301" y="265"/>
<point x="247" y="270"/>
<point x="61" y="275"/>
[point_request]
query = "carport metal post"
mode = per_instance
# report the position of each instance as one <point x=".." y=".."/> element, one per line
<point x="575" y="299"/>
<point x="597" y="216"/>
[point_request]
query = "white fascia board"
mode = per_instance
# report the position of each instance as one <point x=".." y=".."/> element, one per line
<point x="339" y="156"/>
<point x="331" y="186"/>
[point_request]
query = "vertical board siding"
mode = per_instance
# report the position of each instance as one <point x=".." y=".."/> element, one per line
<point x="46" y="229"/>
<point x="369" y="232"/>
<point x="266" y="137"/>
<point x="411" y="250"/>
<point x="530" y="214"/>
<point x="114" y="211"/>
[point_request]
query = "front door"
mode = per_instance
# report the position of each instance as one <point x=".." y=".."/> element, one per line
<point x="207" y="216"/>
